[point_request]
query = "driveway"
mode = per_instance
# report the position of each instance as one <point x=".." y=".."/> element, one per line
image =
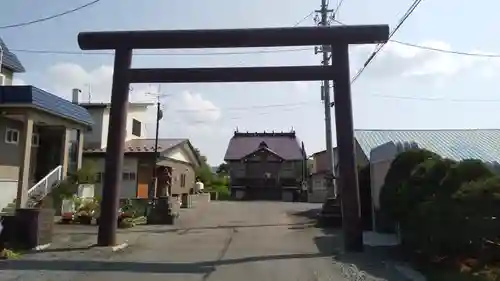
<point x="222" y="241"/>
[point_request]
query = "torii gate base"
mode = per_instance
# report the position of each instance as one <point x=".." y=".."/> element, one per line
<point x="338" y="37"/>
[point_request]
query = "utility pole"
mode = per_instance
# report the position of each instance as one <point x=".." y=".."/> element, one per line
<point x="159" y="116"/>
<point x="325" y="97"/>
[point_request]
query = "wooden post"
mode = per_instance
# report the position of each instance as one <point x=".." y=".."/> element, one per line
<point x="114" y="149"/>
<point x="349" y="190"/>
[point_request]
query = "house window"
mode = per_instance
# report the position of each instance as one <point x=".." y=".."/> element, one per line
<point x="35" y="140"/>
<point x="128" y="176"/>
<point x="136" y="127"/>
<point x="11" y="136"/>
<point x="183" y="180"/>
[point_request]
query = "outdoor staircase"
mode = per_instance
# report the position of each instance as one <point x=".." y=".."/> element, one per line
<point x="37" y="192"/>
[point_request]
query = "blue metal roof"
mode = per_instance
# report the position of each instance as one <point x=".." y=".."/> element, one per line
<point x="10" y="60"/>
<point x="43" y="100"/>
<point x="481" y="144"/>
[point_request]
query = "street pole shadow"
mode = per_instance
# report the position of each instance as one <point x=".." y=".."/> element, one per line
<point x="373" y="261"/>
<point x="204" y="268"/>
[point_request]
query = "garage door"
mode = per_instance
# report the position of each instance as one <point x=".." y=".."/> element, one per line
<point x="260" y="193"/>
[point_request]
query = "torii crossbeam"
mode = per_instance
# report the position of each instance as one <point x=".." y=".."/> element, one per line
<point x="338" y="37"/>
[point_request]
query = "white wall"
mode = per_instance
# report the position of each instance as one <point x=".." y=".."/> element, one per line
<point x="140" y="114"/>
<point x="9" y="76"/>
<point x="104" y="128"/>
<point x="319" y="189"/>
<point x="94" y="138"/>
<point x="98" y="137"/>
<point x="129" y="188"/>
<point x="179" y="154"/>
<point x="9" y="192"/>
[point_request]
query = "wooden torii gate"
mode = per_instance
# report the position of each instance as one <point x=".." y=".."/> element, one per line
<point x="338" y="37"/>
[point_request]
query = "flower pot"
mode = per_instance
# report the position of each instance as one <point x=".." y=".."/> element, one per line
<point x="85" y="220"/>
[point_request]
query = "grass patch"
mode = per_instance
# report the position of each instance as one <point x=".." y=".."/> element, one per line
<point x="9" y="254"/>
<point x="222" y="192"/>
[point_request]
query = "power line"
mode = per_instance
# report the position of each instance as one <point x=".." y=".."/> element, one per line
<point x="161" y="54"/>
<point x="336" y="10"/>
<point x="167" y="54"/>
<point x="379" y="47"/>
<point x="293" y="106"/>
<point x="284" y="105"/>
<point x="58" y="52"/>
<point x="303" y="19"/>
<point x="62" y="52"/>
<point x="448" y="51"/>
<point x="483" y="55"/>
<point x="22" y="24"/>
<point x="438" y="99"/>
<point x="243" y="108"/>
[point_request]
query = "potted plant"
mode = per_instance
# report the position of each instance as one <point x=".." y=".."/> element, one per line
<point x="127" y="211"/>
<point x="86" y="212"/>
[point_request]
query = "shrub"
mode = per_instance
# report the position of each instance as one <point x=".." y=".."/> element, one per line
<point x="451" y="214"/>
<point x="422" y="185"/>
<point x="434" y="227"/>
<point x="396" y="181"/>
<point x="463" y="172"/>
<point x="479" y="203"/>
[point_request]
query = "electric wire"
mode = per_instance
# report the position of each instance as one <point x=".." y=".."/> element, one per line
<point x="379" y="47"/>
<point x="22" y="24"/>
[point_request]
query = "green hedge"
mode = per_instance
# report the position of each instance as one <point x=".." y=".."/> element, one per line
<point x="443" y="207"/>
<point x="222" y="191"/>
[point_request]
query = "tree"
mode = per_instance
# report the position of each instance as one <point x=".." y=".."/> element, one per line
<point x="223" y="169"/>
<point x="204" y="172"/>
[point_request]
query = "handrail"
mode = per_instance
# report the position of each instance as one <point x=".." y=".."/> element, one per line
<point x="56" y="169"/>
<point x="44" y="186"/>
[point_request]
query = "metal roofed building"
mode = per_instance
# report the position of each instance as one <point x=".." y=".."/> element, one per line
<point x="382" y="146"/>
<point x="481" y="144"/>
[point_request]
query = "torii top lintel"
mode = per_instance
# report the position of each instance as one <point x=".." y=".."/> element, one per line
<point x="232" y="38"/>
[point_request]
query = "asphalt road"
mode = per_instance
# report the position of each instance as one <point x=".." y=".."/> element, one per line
<point x="223" y="241"/>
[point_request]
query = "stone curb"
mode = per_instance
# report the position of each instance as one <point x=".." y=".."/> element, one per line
<point x="111" y="249"/>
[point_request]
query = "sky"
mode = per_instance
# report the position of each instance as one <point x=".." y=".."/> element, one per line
<point x="403" y="88"/>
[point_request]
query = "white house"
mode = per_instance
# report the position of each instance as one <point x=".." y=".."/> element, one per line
<point x="177" y="157"/>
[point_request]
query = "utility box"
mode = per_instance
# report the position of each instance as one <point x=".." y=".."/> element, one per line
<point x="86" y="191"/>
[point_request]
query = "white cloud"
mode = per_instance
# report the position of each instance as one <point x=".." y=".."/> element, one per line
<point x="195" y="107"/>
<point x="303" y="86"/>
<point x="401" y="61"/>
<point x="66" y="76"/>
<point x="192" y="114"/>
<point x="185" y="109"/>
